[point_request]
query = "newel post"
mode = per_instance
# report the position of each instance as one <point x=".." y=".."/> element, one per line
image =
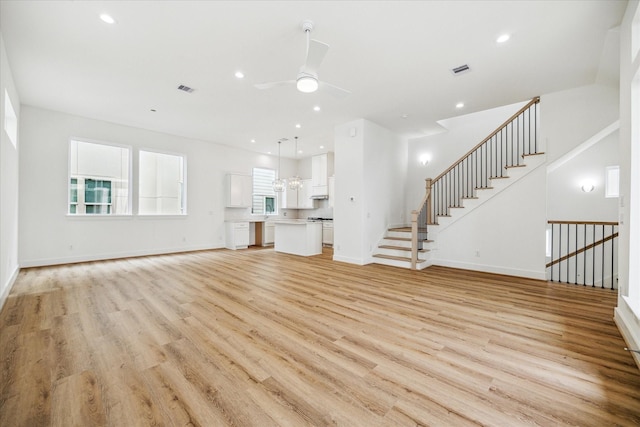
<point x="414" y="239"/>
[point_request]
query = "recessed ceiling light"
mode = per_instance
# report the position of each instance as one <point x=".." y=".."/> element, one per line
<point x="253" y="141"/>
<point x="316" y="108"/>
<point x="322" y="147"/>
<point x="300" y="151"/>
<point x="404" y="116"/>
<point x="298" y="126"/>
<point x="460" y="105"/>
<point x="107" y="18"/>
<point x="268" y="152"/>
<point x="503" y="38"/>
<point x="239" y="75"/>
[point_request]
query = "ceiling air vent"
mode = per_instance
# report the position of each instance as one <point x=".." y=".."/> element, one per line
<point x="461" y="69"/>
<point x="185" y="88"/>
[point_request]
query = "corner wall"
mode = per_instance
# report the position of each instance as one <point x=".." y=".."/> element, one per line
<point x="9" y="177"/>
<point x="627" y="313"/>
<point x="370" y="174"/>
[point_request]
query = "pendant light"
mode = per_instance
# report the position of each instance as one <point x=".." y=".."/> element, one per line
<point x="295" y="182"/>
<point x="278" y="184"/>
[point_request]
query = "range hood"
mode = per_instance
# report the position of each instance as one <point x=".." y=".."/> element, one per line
<point x="320" y="197"/>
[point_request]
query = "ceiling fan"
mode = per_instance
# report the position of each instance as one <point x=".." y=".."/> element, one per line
<point x="307" y="80"/>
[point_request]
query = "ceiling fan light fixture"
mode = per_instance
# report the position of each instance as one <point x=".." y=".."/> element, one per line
<point x="307" y="84"/>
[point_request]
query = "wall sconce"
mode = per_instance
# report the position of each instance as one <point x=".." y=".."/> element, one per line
<point x="424" y="159"/>
<point x="587" y="186"/>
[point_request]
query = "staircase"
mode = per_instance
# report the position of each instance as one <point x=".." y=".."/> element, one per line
<point x="494" y="164"/>
<point x="395" y="249"/>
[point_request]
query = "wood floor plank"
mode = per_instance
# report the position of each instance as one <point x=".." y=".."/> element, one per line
<point x="259" y="338"/>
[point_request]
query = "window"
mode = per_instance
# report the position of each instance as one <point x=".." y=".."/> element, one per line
<point x="161" y="184"/>
<point x="264" y="198"/>
<point x="98" y="179"/>
<point x="612" y="181"/>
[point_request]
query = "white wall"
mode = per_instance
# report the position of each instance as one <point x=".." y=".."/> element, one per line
<point x="505" y="235"/>
<point x="348" y="224"/>
<point x="370" y="173"/>
<point x="627" y="314"/>
<point x="565" y="199"/>
<point x="385" y="157"/>
<point x="49" y="236"/>
<point x="570" y="117"/>
<point x="9" y="266"/>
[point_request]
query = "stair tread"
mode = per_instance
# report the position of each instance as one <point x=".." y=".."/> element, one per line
<point x="396" y="258"/>
<point x="484" y="188"/>
<point x="515" y="166"/>
<point x="498" y="177"/>
<point x="400" y="248"/>
<point x="405" y="239"/>
<point x="533" y="154"/>
<point x="470" y="198"/>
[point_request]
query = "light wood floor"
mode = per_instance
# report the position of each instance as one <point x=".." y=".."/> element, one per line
<point x="257" y="338"/>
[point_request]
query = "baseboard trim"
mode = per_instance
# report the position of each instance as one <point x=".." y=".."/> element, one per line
<point x="491" y="269"/>
<point x="625" y="326"/>
<point x="102" y="257"/>
<point x="348" y="260"/>
<point x="6" y="289"/>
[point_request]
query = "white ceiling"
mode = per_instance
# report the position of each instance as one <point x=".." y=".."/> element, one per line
<point x="394" y="56"/>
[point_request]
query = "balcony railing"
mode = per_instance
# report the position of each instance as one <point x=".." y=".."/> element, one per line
<point x="583" y="253"/>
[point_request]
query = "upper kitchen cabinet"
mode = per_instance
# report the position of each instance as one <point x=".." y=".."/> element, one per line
<point x="298" y="199"/>
<point x="321" y="169"/>
<point x="238" y="190"/>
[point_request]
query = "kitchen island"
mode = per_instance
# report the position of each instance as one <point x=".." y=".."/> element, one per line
<point x="298" y="237"/>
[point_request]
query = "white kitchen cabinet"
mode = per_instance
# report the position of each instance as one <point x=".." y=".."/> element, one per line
<point x="289" y="198"/>
<point x="298" y="199"/>
<point x="237" y="235"/>
<point x="304" y="195"/>
<point x="269" y="233"/>
<point x="238" y="189"/>
<point x="327" y="233"/>
<point x="321" y="169"/>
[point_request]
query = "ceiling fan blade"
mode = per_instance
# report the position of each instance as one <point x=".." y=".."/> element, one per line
<point x="270" y="85"/>
<point x="315" y="55"/>
<point x="336" y="91"/>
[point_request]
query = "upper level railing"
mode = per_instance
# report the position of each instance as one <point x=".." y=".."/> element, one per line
<point x="583" y="253"/>
<point x="504" y="148"/>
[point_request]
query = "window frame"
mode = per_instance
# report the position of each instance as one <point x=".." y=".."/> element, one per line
<point x="70" y="176"/>
<point x="609" y="184"/>
<point x="263" y="197"/>
<point x="183" y="191"/>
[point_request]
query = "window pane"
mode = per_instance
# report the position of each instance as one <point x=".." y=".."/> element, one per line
<point x="97" y="191"/>
<point x="612" y="184"/>
<point x="73" y="191"/>
<point x="264" y="200"/>
<point x="99" y="174"/>
<point x="161" y="184"/>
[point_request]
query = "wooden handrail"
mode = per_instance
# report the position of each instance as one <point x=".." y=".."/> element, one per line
<point x="583" y="222"/>
<point x="586" y="248"/>
<point x="520" y="111"/>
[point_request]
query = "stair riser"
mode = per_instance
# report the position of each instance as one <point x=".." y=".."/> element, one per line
<point x="394" y="252"/>
<point x="405" y="234"/>
<point x="401" y="264"/>
<point x="391" y="242"/>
